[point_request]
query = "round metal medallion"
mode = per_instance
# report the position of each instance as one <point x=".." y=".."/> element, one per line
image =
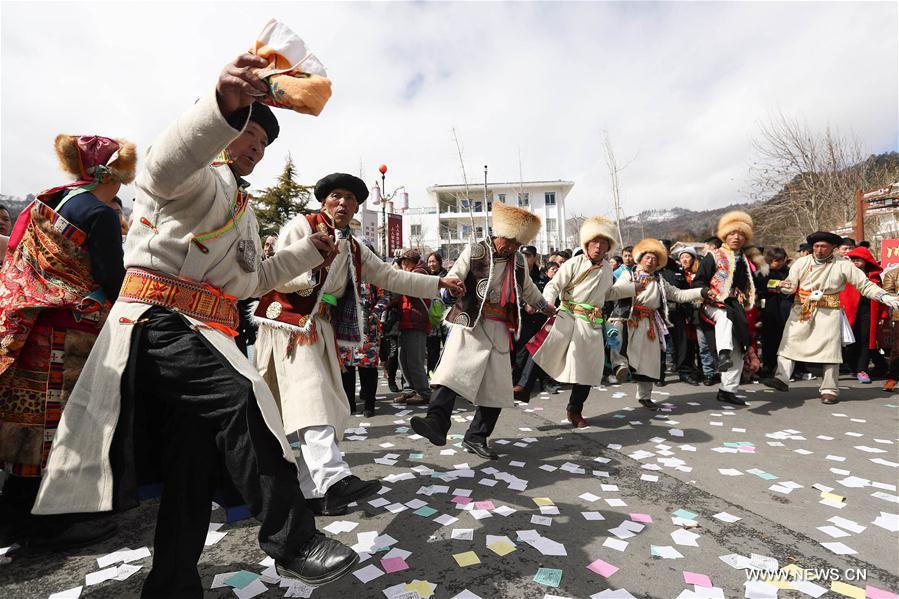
<point x="462" y="319"/>
<point x="273" y="311"/>
<point x="481" y="289"/>
<point x="478" y="251"/>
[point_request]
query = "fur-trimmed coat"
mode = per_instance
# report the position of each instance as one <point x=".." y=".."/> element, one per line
<point x="643" y="352"/>
<point x="819" y="339"/>
<point x="306" y="382"/>
<point x="179" y="195"/>
<point x="475" y="362"/>
<point x="574" y="349"/>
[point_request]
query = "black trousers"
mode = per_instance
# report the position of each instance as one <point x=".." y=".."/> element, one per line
<point x="368" y="386"/>
<point x="579" y="395"/>
<point x="208" y="413"/>
<point x="441" y="408"/>
<point x="434" y="343"/>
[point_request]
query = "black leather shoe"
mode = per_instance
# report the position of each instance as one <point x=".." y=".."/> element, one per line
<point x="321" y="561"/>
<point x="480" y="449"/>
<point x="649" y="404"/>
<point x="689" y="379"/>
<point x="392" y="386"/>
<point x="725" y="361"/>
<point x="709" y="381"/>
<point x="552" y="389"/>
<point x="775" y="383"/>
<point x="429" y="429"/>
<point x="728" y="397"/>
<point x="660" y="383"/>
<point x="368" y="412"/>
<point x="345" y="491"/>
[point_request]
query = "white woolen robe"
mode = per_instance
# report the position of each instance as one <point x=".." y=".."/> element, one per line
<point x="307" y="382"/>
<point x="475" y="362"/>
<point x="179" y="194"/>
<point x="574" y="349"/>
<point x="819" y="339"/>
<point x="644" y="355"/>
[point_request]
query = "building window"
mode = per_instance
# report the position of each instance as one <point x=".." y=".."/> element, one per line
<point x="466" y="230"/>
<point x="549" y="198"/>
<point x="500" y="197"/>
<point x="551" y="226"/>
<point x="415" y="230"/>
<point x="524" y="200"/>
<point x="479" y="232"/>
<point x="479" y="206"/>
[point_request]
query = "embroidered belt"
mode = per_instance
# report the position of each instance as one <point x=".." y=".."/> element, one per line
<point x="201" y="301"/>
<point x="584" y="311"/>
<point x="496" y="311"/>
<point x="809" y="305"/>
<point x="639" y="313"/>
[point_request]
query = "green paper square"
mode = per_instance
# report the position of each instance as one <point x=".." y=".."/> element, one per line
<point x="426" y="511"/>
<point x="549" y="577"/>
<point x="686" y="515"/>
<point x="241" y="579"/>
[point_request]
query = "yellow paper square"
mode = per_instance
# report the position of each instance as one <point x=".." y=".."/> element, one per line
<point x="847" y="589"/>
<point x="832" y="496"/>
<point x="421" y="587"/>
<point x="469" y="558"/>
<point x="501" y="547"/>
<point x="543" y="501"/>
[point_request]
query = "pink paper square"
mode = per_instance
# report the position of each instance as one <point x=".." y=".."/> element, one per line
<point x="641" y="517"/>
<point x="459" y="500"/>
<point x="603" y="568"/>
<point x="394" y="564"/>
<point x="746" y="449"/>
<point x="484" y="505"/>
<point x="875" y="593"/>
<point x="698" y="579"/>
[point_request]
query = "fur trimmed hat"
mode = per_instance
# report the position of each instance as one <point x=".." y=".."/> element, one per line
<point x="80" y="155"/>
<point x="514" y="223"/>
<point x="653" y="246"/>
<point x="598" y="226"/>
<point x="736" y="220"/>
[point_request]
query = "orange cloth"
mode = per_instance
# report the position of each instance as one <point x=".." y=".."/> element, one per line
<point x="296" y="79"/>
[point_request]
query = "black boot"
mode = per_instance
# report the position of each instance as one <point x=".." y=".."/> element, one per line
<point x="731" y="398"/>
<point x="480" y="448"/>
<point x="430" y="429"/>
<point x="344" y="492"/>
<point x="321" y="561"/>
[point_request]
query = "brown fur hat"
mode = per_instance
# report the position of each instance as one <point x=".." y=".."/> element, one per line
<point x="598" y="226"/>
<point x="119" y="155"/>
<point x="514" y="223"/>
<point x="736" y="220"/>
<point x="651" y="246"/>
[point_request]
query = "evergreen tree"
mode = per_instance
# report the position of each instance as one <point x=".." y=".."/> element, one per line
<point x="277" y="204"/>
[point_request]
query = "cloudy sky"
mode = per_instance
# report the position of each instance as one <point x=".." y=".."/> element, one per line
<point x="680" y="86"/>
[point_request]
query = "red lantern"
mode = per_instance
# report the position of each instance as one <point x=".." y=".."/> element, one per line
<point x="383" y="169"/>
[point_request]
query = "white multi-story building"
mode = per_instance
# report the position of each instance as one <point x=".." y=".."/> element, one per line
<point x="453" y="217"/>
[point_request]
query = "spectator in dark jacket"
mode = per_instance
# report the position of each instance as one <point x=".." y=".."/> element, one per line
<point x="414" y="328"/>
<point x="775" y="306"/>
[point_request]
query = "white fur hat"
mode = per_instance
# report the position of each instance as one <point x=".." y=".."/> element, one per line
<point x="598" y="226"/>
<point x="514" y="223"/>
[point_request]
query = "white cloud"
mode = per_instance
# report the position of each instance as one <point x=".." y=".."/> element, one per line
<point x="681" y="87"/>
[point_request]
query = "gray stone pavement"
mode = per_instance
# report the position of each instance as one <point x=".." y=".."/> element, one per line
<point x="698" y="455"/>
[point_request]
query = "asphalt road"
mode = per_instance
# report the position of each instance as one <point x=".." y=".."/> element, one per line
<point x="697" y="455"/>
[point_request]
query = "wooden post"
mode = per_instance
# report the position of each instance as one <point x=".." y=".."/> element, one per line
<point x="859" y="216"/>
